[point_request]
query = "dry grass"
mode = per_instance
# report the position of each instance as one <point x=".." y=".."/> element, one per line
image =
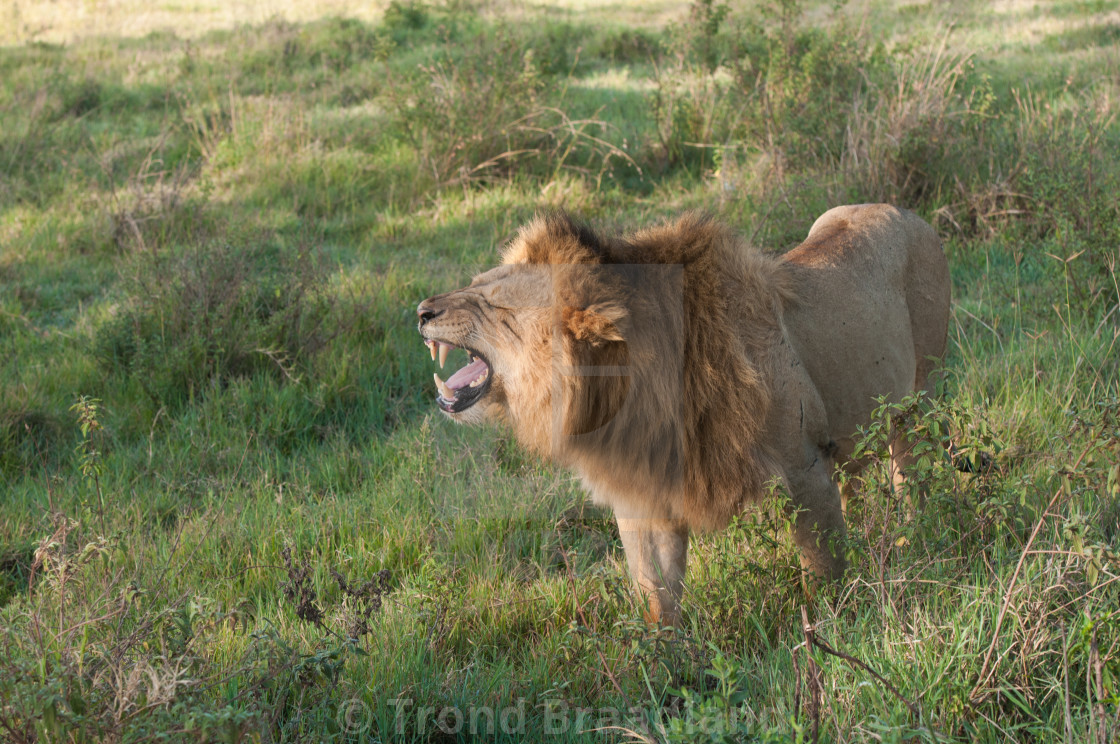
<point x="67" y="21"/>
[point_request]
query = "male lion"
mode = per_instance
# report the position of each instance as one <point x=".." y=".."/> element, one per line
<point x="678" y="371"/>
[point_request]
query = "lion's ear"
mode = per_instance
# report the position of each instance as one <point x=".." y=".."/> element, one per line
<point x="595" y="324"/>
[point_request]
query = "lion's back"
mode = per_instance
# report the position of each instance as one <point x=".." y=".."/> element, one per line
<point x="871" y="305"/>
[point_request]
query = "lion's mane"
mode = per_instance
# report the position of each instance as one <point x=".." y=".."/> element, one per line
<point x="688" y="314"/>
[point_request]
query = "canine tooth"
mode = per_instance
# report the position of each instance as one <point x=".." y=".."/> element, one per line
<point x="443" y="349"/>
<point x="432" y="348"/>
<point x="445" y="391"/>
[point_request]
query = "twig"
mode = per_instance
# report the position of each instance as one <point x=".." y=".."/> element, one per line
<point x="914" y="709"/>
<point x="986" y="673"/>
<point x="1097" y="667"/>
<point x="813" y="640"/>
<point x="279" y="358"/>
<point x="797" y="687"/>
<point x="981" y="322"/>
<point x="1068" y="714"/>
<point x="813" y="702"/>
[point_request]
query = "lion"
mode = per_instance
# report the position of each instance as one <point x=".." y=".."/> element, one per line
<point x="679" y="372"/>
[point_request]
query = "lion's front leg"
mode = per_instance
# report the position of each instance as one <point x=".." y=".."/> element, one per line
<point x="656" y="552"/>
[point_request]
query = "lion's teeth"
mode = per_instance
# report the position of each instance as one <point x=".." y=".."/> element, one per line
<point x="443" y="349"/>
<point x="445" y="391"/>
<point x="481" y="379"/>
<point x="432" y="348"/>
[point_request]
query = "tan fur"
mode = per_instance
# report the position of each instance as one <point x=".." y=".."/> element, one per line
<point x="679" y="371"/>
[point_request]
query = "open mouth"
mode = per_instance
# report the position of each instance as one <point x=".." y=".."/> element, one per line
<point x="464" y="388"/>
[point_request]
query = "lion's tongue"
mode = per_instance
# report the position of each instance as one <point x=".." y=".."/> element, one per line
<point x="466" y="375"/>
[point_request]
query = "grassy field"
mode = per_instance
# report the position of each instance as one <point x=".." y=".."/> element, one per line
<point x="229" y="510"/>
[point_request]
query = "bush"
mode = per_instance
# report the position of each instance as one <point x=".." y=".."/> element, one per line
<point x="215" y="312"/>
<point x="27" y="435"/>
<point x="481" y="111"/>
<point x="779" y="91"/>
<point x="900" y="136"/>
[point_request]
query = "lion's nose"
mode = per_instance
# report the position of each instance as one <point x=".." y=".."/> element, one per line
<point x="426" y="312"/>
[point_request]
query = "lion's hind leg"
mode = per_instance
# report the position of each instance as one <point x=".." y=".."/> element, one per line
<point x="901" y="466"/>
<point x="905" y="442"/>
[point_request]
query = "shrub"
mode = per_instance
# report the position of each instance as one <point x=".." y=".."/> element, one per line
<point x="777" y="92"/>
<point x="628" y="46"/>
<point x="1037" y="171"/>
<point x="215" y="312"/>
<point x="899" y="135"/>
<point x="26" y="435"/>
<point x="481" y="111"/>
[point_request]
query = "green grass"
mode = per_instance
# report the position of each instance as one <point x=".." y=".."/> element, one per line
<point x="212" y="397"/>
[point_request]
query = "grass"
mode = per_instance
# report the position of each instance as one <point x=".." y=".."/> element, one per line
<point x="229" y="511"/>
